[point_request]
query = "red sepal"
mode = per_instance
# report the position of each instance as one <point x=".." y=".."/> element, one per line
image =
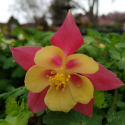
<point x="68" y="37"/>
<point x="24" y="55"/>
<point x="36" y="101"/>
<point x="85" y="109"/>
<point x="104" y="79"/>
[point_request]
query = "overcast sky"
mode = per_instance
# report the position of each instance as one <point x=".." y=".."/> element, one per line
<point x="105" y="6"/>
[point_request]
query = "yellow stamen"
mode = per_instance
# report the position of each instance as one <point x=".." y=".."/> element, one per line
<point x="60" y="79"/>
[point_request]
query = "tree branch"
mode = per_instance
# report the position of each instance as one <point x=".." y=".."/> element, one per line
<point x="83" y="8"/>
<point x="93" y="3"/>
<point x="89" y="3"/>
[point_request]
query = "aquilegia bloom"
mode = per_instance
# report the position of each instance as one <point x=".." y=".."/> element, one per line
<point x="59" y="79"/>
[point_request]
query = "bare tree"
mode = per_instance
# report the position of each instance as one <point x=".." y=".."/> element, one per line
<point x="90" y="7"/>
<point x="31" y="10"/>
<point x="59" y="9"/>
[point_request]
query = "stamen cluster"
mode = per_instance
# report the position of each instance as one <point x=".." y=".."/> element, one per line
<point x="60" y="79"/>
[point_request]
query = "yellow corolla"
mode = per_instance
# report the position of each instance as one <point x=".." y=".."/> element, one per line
<point x="65" y="77"/>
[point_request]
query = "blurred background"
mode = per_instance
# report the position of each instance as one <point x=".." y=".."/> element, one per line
<point x="34" y="22"/>
<point x="48" y="15"/>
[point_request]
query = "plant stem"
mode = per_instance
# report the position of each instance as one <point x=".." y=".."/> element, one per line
<point x="115" y="98"/>
<point x="39" y="122"/>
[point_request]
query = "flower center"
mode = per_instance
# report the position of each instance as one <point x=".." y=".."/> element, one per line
<point x="60" y="78"/>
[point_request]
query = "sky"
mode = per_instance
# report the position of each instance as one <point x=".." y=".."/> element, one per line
<point x="105" y="7"/>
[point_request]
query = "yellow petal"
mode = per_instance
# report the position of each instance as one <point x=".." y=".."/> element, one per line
<point x="80" y="63"/>
<point x="50" y="57"/>
<point x="81" y="88"/>
<point x="56" y="100"/>
<point x="36" y="79"/>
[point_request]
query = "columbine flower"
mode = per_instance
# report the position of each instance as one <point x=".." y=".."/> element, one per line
<point x="59" y="79"/>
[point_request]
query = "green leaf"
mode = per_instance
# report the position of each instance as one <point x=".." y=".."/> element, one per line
<point x="18" y="113"/>
<point x="14" y="93"/>
<point x="31" y="31"/>
<point x="123" y="55"/>
<point x="120" y="102"/>
<point x="108" y="64"/>
<point x="11" y="120"/>
<point x="93" y="33"/>
<point x="4" y="122"/>
<point x="3" y="58"/>
<point x="99" y="99"/>
<point x="114" y="54"/>
<point x="114" y="37"/>
<point x="39" y="114"/>
<point x="32" y="42"/>
<point x="12" y="107"/>
<point x="18" y="72"/>
<point x="88" y="40"/>
<point x="92" y="50"/>
<point x="20" y="119"/>
<point x="10" y="62"/>
<point x="16" y="31"/>
<point x="71" y="118"/>
<point x="46" y="40"/>
<point x="6" y="86"/>
<point x="39" y="35"/>
<point x="80" y="50"/>
<point x="121" y="64"/>
<point x="122" y="88"/>
<point x="121" y="44"/>
<point x="112" y="117"/>
<point x="116" y="118"/>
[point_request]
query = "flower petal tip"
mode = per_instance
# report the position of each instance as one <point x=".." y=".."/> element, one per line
<point x="69" y="13"/>
<point x="36" y="101"/>
<point x="104" y="79"/>
<point x="68" y="37"/>
<point x="24" y="55"/>
<point x="11" y="48"/>
<point x="85" y="109"/>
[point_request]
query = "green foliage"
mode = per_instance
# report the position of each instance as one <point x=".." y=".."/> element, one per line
<point x="114" y="54"/>
<point x="99" y="100"/>
<point x="120" y="44"/>
<point x="108" y="49"/>
<point x="14" y="93"/>
<point x="18" y="72"/>
<point x="92" y="51"/>
<point x="17" y="113"/>
<point x="120" y="102"/>
<point x="71" y="118"/>
<point x="116" y="118"/>
<point x="10" y="62"/>
<point x="5" y="85"/>
<point x="13" y="108"/>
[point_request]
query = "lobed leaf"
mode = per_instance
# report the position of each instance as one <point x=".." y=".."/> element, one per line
<point x="71" y="118"/>
<point x="10" y="62"/>
<point x="114" y="54"/>
<point x="99" y="99"/>
<point x="116" y="118"/>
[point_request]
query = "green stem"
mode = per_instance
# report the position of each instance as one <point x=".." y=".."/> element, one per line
<point x="115" y="98"/>
<point x="115" y="64"/>
<point x="39" y="122"/>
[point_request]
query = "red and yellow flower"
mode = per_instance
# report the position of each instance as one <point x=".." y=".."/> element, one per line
<point x="59" y="79"/>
